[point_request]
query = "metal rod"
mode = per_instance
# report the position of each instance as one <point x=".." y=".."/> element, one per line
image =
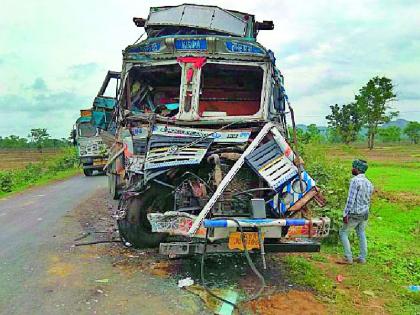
<point x="261" y="239"/>
<point x="292" y="116"/>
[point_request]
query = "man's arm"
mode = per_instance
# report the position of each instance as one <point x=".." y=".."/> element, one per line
<point x="351" y="198"/>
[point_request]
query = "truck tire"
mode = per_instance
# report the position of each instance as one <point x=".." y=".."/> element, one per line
<point x="88" y="172"/>
<point x="113" y="186"/>
<point x="135" y="227"/>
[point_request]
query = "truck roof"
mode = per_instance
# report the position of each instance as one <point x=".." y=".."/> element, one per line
<point x="211" y="18"/>
<point x="191" y="29"/>
<point x="190" y="19"/>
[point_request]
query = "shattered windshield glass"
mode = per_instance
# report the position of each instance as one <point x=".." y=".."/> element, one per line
<point x="156" y="89"/>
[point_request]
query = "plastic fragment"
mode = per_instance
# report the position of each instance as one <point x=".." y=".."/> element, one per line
<point x="102" y="280"/>
<point x="369" y="292"/>
<point x="185" y="282"/>
<point x="339" y="278"/>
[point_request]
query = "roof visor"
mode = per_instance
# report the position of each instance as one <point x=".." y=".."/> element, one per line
<point x="195" y="16"/>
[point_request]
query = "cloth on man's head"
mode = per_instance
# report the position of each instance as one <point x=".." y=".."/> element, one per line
<point x="360" y="165"/>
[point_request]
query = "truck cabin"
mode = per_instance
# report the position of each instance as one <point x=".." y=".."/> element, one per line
<point x="84" y="127"/>
<point x="218" y="90"/>
<point x="202" y="74"/>
<point x="86" y="130"/>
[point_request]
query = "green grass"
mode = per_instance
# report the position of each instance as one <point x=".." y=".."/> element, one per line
<point x="401" y="178"/>
<point x="44" y="180"/>
<point x="393" y="243"/>
<point x="39" y="173"/>
<point x="305" y="273"/>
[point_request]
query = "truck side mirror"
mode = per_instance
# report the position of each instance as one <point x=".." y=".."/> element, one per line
<point x="73" y="137"/>
<point x="279" y="98"/>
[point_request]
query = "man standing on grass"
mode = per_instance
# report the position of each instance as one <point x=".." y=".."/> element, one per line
<point x="356" y="212"/>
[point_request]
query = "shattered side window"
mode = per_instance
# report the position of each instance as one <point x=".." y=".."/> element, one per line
<point x="155" y="89"/>
<point x="230" y="90"/>
<point x="86" y="130"/>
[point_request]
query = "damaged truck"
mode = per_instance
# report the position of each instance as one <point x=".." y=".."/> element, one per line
<point x="92" y="153"/>
<point x="89" y="134"/>
<point x="202" y="158"/>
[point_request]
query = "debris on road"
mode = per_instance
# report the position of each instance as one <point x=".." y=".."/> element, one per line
<point x="339" y="278"/>
<point x="102" y="280"/>
<point x="414" y="288"/>
<point x="212" y="303"/>
<point x="369" y="293"/>
<point x="84" y="235"/>
<point x="97" y="242"/>
<point x="185" y="282"/>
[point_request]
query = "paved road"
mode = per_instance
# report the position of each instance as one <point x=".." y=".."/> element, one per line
<point x="25" y="218"/>
<point x="41" y="272"/>
<point x="27" y="222"/>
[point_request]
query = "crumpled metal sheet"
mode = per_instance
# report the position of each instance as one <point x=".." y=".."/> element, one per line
<point x="164" y="152"/>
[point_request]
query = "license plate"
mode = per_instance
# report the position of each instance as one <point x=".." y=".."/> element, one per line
<point x="99" y="162"/>
<point x="251" y="238"/>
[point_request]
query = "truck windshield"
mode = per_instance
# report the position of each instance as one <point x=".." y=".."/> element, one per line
<point x="86" y="130"/>
<point x="155" y="89"/>
<point x="230" y="90"/>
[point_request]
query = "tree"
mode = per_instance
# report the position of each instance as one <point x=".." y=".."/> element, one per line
<point x="373" y="101"/>
<point x="333" y="136"/>
<point x="313" y="134"/>
<point x="412" y="130"/>
<point x="390" y="134"/>
<point x="346" y="121"/>
<point x="13" y="141"/>
<point x="39" y="136"/>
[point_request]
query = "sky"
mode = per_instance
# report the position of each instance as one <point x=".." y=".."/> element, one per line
<point x="54" y="54"/>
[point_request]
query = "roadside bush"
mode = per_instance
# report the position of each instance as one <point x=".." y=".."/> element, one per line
<point x="332" y="177"/>
<point x="6" y="183"/>
<point x="33" y="172"/>
<point x="68" y="160"/>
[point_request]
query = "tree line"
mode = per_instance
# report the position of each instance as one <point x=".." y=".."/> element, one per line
<point x="393" y="134"/>
<point x="370" y="109"/>
<point x="38" y="138"/>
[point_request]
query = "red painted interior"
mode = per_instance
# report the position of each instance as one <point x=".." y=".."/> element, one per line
<point x="233" y="102"/>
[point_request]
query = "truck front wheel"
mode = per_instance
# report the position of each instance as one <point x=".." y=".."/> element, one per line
<point x="88" y="172"/>
<point x="135" y="227"/>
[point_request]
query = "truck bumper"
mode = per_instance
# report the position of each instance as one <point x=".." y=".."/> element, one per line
<point x="278" y="235"/>
<point x="93" y="162"/>
<point x="177" y="223"/>
<point x="94" y="167"/>
<point x="191" y="248"/>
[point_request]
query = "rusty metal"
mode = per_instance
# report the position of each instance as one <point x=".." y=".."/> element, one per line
<point x="304" y="200"/>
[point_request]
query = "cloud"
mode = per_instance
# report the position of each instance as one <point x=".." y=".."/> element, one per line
<point x="83" y="71"/>
<point x="54" y="110"/>
<point x="409" y="95"/>
<point x="39" y="85"/>
<point x="327" y="50"/>
<point x="50" y="102"/>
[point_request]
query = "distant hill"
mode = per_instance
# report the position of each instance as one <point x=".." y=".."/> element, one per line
<point x="302" y="126"/>
<point x="400" y="123"/>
